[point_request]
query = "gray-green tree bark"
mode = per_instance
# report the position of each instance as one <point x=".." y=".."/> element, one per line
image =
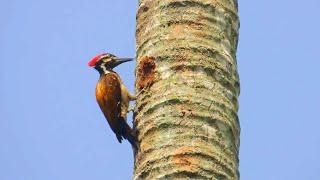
<point x="186" y="116"/>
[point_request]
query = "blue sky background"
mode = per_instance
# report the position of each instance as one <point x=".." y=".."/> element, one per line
<point x="51" y="127"/>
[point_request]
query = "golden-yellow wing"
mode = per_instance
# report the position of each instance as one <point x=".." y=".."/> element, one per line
<point x="108" y="94"/>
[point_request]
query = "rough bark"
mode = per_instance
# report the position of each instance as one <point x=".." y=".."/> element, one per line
<point x="186" y="116"/>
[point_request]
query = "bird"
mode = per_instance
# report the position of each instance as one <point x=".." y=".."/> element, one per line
<point x="113" y="96"/>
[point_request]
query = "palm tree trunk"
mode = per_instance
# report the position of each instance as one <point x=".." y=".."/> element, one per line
<point x="186" y="116"/>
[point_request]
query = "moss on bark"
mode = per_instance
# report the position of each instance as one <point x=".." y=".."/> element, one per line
<point x="186" y="117"/>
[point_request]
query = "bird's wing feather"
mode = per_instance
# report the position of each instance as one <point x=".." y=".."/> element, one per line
<point x="108" y="94"/>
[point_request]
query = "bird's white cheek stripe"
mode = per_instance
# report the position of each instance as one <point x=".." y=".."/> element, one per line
<point x="103" y="67"/>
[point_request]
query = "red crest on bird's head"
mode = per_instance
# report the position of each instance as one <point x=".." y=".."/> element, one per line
<point x="97" y="58"/>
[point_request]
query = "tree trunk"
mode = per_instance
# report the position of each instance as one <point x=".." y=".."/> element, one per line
<point x="186" y="116"/>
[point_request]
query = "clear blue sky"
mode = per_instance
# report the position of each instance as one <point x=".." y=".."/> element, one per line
<point x="52" y="129"/>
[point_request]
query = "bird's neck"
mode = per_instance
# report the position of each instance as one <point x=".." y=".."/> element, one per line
<point x="103" y="69"/>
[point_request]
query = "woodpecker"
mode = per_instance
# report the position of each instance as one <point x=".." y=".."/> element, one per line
<point x="112" y="95"/>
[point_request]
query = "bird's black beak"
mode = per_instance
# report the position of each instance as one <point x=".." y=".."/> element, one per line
<point x="121" y="60"/>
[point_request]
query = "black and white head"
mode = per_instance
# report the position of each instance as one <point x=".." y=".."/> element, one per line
<point x="105" y="62"/>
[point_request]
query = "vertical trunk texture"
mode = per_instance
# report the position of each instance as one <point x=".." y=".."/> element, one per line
<point x="186" y="115"/>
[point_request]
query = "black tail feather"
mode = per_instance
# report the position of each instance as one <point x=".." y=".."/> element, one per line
<point x="127" y="133"/>
<point x="119" y="137"/>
